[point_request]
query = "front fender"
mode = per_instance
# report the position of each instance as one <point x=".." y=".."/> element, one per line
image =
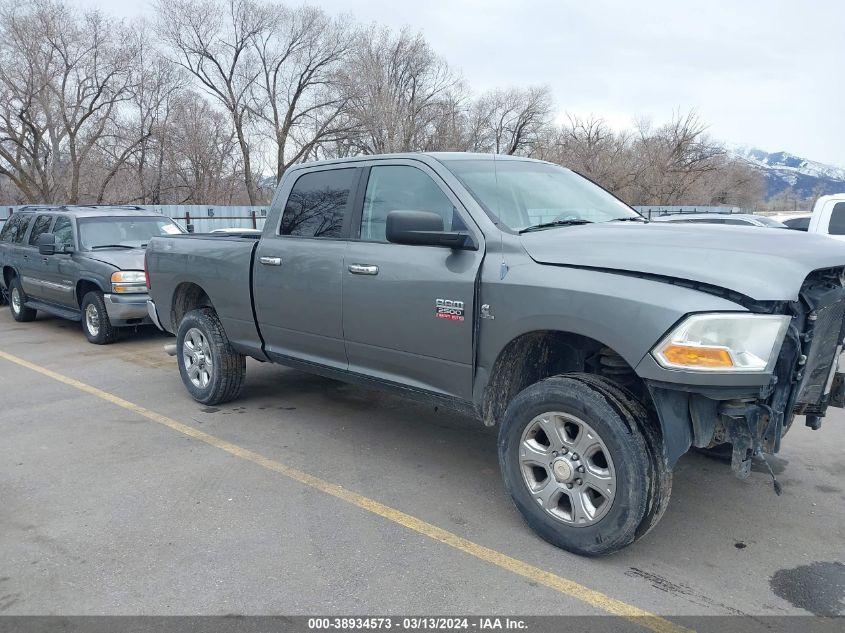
<point x="628" y="314"/>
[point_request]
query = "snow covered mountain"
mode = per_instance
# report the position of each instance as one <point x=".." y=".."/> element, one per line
<point x="783" y="170"/>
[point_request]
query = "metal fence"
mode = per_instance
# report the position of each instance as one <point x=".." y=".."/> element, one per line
<point x="650" y="211"/>
<point x="204" y="218"/>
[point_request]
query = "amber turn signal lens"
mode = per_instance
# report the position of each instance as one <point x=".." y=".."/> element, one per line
<point x="690" y="356"/>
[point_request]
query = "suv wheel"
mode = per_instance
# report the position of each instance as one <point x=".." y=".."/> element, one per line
<point x="212" y="371"/>
<point x="17" y="298"/>
<point x="95" y="319"/>
<point x="583" y="464"/>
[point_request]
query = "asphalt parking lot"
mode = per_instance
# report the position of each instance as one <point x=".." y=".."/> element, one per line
<point x="108" y="510"/>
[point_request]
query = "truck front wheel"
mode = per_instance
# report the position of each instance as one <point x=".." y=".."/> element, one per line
<point x="212" y="371"/>
<point x="95" y="319"/>
<point x="579" y="461"/>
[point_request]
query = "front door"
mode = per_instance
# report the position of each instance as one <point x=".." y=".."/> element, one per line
<point x="408" y="311"/>
<point x="298" y="271"/>
<point x="59" y="270"/>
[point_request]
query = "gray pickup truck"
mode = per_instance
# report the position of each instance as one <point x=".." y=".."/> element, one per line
<point x="83" y="263"/>
<point x="603" y="346"/>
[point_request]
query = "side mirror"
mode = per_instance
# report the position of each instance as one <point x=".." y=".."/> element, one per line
<point x="190" y="228"/>
<point x="423" y="228"/>
<point x="46" y="244"/>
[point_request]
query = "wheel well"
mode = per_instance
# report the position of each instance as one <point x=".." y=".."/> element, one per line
<point x="83" y="287"/>
<point x="533" y="356"/>
<point x="8" y="273"/>
<point x="187" y="297"/>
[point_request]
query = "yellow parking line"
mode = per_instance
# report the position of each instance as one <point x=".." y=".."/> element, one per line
<point x="558" y="583"/>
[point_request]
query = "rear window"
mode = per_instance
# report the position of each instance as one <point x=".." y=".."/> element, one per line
<point x="798" y="224"/>
<point x="8" y="227"/>
<point x="318" y="204"/>
<point x="837" y="219"/>
<point x="15" y="228"/>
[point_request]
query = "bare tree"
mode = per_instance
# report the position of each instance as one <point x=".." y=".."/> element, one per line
<point x="64" y="79"/>
<point x="297" y="95"/>
<point x="215" y="41"/>
<point x="397" y="89"/>
<point x="132" y="142"/>
<point x="510" y="121"/>
<point x="202" y="153"/>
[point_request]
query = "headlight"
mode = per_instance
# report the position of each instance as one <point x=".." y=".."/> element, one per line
<point x="724" y="343"/>
<point x="128" y="281"/>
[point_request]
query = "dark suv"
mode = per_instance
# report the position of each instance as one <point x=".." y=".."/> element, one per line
<point x="83" y="263"/>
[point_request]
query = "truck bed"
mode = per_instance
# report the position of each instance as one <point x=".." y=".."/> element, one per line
<point x="218" y="265"/>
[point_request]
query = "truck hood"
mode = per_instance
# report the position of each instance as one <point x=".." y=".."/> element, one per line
<point x="120" y="258"/>
<point x="762" y="263"/>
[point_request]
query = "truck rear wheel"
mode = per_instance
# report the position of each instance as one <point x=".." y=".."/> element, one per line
<point x="17" y="298"/>
<point x="583" y="464"/>
<point x="212" y="371"/>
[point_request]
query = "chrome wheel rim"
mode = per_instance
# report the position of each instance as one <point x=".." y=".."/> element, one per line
<point x="567" y="468"/>
<point x="16" y="300"/>
<point x="196" y="356"/>
<point x="92" y="319"/>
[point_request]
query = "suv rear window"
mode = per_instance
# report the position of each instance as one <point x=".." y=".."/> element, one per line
<point x="15" y="228"/>
<point x="7" y="228"/>
<point x="318" y="203"/>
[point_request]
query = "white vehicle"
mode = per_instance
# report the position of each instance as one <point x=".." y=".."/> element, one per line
<point x="829" y="216"/>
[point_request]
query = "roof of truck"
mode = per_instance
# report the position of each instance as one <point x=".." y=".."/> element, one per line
<point x="89" y="210"/>
<point x="437" y="156"/>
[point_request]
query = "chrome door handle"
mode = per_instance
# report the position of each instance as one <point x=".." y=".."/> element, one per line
<point x="363" y="269"/>
<point x="271" y="261"/>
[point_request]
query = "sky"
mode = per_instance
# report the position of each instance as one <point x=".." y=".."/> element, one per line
<point x="768" y="74"/>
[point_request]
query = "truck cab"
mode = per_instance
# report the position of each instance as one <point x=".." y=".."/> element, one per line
<point x="828" y="216"/>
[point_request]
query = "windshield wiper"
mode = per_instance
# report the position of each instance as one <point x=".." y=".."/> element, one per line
<point x="628" y="218"/>
<point x="94" y="248"/>
<point x="550" y="225"/>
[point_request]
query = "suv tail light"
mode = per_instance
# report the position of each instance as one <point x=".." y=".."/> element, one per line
<point x="146" y="272"/>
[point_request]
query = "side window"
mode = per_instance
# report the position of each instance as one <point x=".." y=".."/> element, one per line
<point x="400" y="187"/>
<point x="735" y="221"/>
<point x="63" y="231"/>
<point x="19" y="231"/>
<point x="10" y="228"/>
<point x="318" y="203"/>
<point x="41" y="226"/>
<point x="837" y="219"/>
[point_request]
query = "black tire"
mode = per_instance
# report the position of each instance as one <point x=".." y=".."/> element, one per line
<point x="228" y="367"/>
<point x="627" y="403"/>
<point x="643" y="483"/>
<point x="101" y="331"/>
<point x="22" y="314"/>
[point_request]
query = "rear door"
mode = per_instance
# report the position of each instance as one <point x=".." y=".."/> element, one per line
<point x="408" y="310"/>
<point x="298" y="268"/>
<point x="22" y="258"/>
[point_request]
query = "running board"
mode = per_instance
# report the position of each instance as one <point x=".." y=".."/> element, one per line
<point x="64" y="313"/>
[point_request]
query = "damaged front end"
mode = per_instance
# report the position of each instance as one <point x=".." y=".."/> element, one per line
<point x="805" y="381"/>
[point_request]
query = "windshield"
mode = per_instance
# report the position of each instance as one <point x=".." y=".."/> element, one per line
<point x="523" y="194"/>
<point x="123" y="232"/>
<point x="770" y="222"/>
